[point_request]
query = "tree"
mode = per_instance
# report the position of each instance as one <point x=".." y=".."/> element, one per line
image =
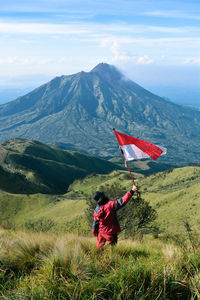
<point x="135" y="218"/>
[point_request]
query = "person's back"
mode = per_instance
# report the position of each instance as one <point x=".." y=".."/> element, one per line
<point x="107" y="217"/>
<point x="106" y="225"/>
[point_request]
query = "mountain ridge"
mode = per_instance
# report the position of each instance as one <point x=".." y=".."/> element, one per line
<point x="78" y="112"/>
<point x="31" y="167"/>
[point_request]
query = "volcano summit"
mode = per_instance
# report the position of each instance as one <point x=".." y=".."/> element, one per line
<point x="79" y="111"/>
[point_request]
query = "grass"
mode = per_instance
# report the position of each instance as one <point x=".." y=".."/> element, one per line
<point x="92" y="183"/>
<point x="18" y="210"/>
<point x="33" y="167"/>
<point x="55" y="265"/>
<point x="48" y="266"/>
<point x="174" y="194"/>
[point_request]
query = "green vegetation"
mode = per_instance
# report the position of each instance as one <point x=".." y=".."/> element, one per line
<point x="43" y="262"/>
<point x="173" y="194"/>
<point x="47" y="266"/>
<point x="33" y="167"/>
<point x="145" y="166"/>
<point x="136" y="218"/>
<point x="33" y="211"/>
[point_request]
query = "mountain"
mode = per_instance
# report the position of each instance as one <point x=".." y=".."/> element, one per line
<point x="78" y="112"/>
<point x="32" y="167"/>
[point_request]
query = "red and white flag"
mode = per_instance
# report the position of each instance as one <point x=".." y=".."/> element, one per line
<point x="134" y="148"/>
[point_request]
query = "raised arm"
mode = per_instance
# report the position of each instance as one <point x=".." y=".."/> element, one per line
<point x="119" y="203"/>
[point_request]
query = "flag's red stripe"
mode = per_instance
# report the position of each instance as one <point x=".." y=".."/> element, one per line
<point x="152" y="150"/>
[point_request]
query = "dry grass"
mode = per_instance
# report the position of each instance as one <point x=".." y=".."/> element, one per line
<point x="48" y="266"/>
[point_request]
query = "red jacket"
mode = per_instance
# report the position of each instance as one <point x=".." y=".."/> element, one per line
<point x="105" y="216"/>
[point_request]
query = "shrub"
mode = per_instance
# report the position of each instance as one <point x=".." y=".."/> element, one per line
<point x="41" y="224"/>
<point x="135" y="218"/>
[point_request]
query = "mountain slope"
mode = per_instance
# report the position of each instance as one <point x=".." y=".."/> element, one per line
<point x="79" y="111"/>
<point x="31" y="167"/>
<point x="174" y="194"/>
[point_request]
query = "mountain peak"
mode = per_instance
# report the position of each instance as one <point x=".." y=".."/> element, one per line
<point x="108" y="71"/>
<point x="85" y="106"/>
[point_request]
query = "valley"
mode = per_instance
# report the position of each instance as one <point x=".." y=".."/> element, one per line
<point x="173" y="193"/>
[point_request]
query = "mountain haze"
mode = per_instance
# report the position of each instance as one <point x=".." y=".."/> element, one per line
<point x="79" y="111"/>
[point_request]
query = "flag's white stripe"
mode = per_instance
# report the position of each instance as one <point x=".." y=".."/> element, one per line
<point x="164" y="150"/>
<point x="133" y="152"/>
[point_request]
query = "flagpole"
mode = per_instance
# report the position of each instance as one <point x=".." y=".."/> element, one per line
<point x="127" y="166"/>
<point x="126" y="162"/>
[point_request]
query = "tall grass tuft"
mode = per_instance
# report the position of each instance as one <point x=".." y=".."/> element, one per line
<point x="47" y="266"/>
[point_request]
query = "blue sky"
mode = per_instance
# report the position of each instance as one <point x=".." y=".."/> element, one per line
<point x="155" y="43"/>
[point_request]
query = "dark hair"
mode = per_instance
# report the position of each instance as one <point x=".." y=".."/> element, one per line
<point x="100" y="197"/>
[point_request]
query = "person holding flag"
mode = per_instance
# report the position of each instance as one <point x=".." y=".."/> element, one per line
<point x="106" y="225"/>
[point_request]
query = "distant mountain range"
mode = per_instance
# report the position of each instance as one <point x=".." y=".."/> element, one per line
<point x="79" y="111"/>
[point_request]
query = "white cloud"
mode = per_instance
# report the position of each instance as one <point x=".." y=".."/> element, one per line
<point x="8" y="60"/>
<point x="114" y="48"/>
<point x="145" y="60"/>
<point x="62" y="60"/>
<point x="36" y="47"/>
<point x="40" y="28"/>
<point x="121" y="38"/>
<point x="139" y="50"/>
<point x="93" y="29"/>
<point x="192" y="60"/>
<point x="172" y="42"/>
<point x="120" y="56"/>
<point x="32" y="61"/>
<point x="172" y="14"/>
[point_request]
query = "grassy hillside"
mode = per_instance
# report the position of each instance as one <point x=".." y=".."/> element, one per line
<point x="55" y="265"/>
<point x="16" y="182"/>
<point x="145" y="166"/>
<point x="47" y="266"/>
<point x="176" y="197"/>
<point x="174" y="194"/>
<point x="31" y="167"/>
